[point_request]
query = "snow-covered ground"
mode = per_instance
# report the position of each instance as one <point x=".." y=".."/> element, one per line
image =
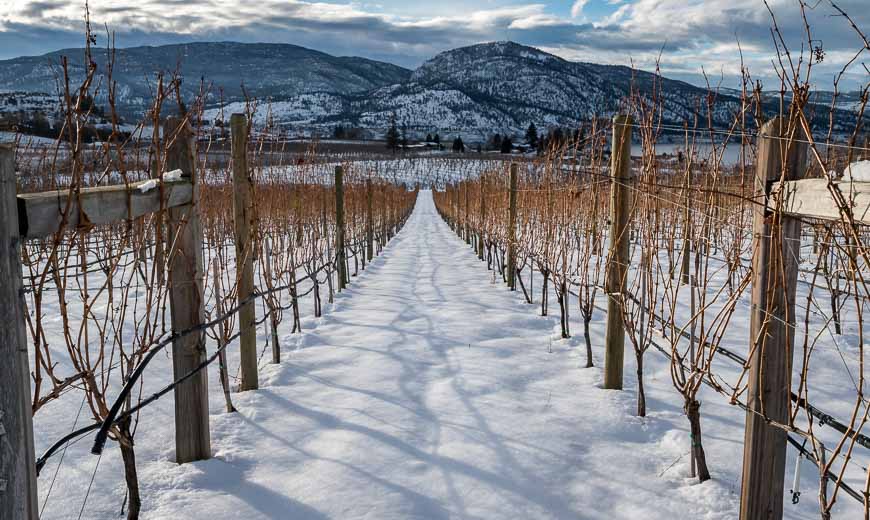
<point x="426" y="391"/>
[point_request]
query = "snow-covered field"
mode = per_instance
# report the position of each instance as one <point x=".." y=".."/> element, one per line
<point x="426" y="391"/>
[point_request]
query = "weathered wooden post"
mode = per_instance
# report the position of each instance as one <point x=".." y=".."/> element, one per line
<point x="192" y="438"/>
<point x="339" y="228"/>
<point x="617" y="258"/>
<point x="460" y="215"/>
<point x="467" y="221"/>
<point x="243" y="218"/>
<point x="382" y="241"/>
<point x="454" y="217"/>
<point x="18" y="497"/>
<point x="512" y="229"/>
<point x="449" y="207"/>
<point x="480" y="233"/>
<point x="391" y="215"/>
<point x="370" y="221"/>
<point x="776" y="245"/>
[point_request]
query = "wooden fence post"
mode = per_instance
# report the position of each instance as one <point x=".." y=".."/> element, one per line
<point x="467" y="221"/>
<point x="243" y="218"/>
<point x="460" y="216"/>
<point x="618" y="257"/>
<point x="339" y="228"/>
<point x="382" y="241"/>
<point x="776" y="245"/>
<point x="480" y="233"/>
<point x="454" y="214"/>
<point x="512" y="229"/>
<point x="459" y="201"/>
<point x="18" y="497"/>
<point x="192" y="438"/>
<point x="370" y="222"/>
<point x="457" y="192"/>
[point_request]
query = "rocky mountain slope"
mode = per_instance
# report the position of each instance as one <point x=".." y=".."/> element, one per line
<point x="491" y="87"/>
<point x="277" y="71"/>
<point x="476" y="90"/>
<point x="506" y="85"/>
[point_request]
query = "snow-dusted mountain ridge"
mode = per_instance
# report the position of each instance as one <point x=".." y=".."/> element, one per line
<point x="476" y="90"/>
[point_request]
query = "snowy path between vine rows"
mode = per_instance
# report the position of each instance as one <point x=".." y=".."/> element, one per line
<point x="426" y="392"/>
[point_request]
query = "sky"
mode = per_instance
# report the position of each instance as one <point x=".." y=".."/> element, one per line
<point x="689" y="38"/>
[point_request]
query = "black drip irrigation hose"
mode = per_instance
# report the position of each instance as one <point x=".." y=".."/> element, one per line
<point x="824" y="419"/>
<point x="794" y="442"/>
<point x="115" y="416"/>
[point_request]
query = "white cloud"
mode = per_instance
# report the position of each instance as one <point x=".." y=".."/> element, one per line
<point x="697" y="32"/>
<point x="577" y="8"/>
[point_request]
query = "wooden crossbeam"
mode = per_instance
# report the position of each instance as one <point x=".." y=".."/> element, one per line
<point x="811" y="198"/>
<point x="41" y="214"/>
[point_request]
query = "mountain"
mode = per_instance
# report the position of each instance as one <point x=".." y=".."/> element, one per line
<point x="507" y="85"/>
<point x="501" y="86"/>
<point x="528" y="82"/>
<point x="266" y="70"/>
<point x="474" y="91"/>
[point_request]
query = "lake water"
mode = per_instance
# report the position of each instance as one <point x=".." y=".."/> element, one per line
<point x="730" y="157"/>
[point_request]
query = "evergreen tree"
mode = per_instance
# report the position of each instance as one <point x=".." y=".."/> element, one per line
<point x="393" y="135"/>
<point x="437" y="139"/>
<point x="428" y="138"/>
<point x="458" y="145"/>
<point x="507" y="145"/>
<point x="495" y="142"/>
<point x="532" y="135"/>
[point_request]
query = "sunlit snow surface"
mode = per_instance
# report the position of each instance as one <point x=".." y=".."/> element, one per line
<point x="427" y="392"/>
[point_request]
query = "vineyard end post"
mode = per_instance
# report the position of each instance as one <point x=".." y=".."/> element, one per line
<point x="775" y="245"/>
<point x="192" y="437"/>
<point x="480" y="229"/>
<point x="370" y="222"/>
<point x="512" y="229"/>
<point x="467" y="220"/>
<point x="243" y="219"/>
<point x="339" y="228"/>
<point x="618" y="257"/>
<point x="18" y="498"/>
